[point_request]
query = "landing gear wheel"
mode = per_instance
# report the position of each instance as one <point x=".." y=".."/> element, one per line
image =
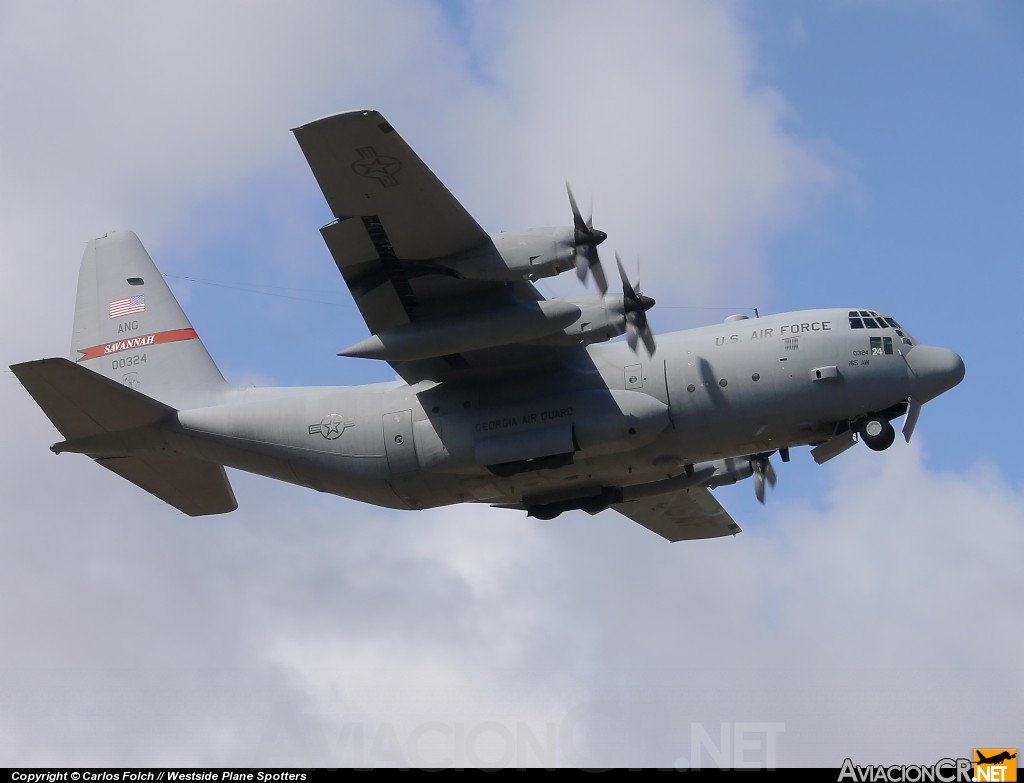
<point x="877" y="433"/>
<point x="543" y="512"/>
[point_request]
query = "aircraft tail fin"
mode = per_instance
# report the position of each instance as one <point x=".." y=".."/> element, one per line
<point x="130" y="328"/>
<point x="126" y="432"/>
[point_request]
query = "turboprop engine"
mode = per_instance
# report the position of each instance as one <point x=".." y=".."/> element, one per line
<point x="535" y="253"/>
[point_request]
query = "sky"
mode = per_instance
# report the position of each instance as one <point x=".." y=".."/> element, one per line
<point x="780" y="156"/>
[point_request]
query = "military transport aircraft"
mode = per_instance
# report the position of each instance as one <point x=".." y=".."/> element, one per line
<point x="503" y="397"/>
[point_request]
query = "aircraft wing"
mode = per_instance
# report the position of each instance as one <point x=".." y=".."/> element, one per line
<point x="394" y="218"/>
<point x="681" y="516"/>
<point x="365" y="169"/>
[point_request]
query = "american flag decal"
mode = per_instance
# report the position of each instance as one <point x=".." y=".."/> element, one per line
<point x="133" y="304"/>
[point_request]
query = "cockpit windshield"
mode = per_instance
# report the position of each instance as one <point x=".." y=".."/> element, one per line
<point x="866" y="319"/>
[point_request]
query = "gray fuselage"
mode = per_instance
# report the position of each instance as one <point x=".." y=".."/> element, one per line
<point x="607" y="418"/>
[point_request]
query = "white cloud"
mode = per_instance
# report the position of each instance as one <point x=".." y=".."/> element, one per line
<point x="650" y="109"/>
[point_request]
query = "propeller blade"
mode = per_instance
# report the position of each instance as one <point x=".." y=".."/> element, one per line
<point x="758" y="483"/>
<point x="577" y="218"/>
<point x="763" y="471"/>
<point x="649" y="343"/>
<point x="582" y="267"/>
<point x="586" y="239"/>
<point x="598" y="272"/>
<point x="635" y="306"/>
<point x="627" y="288"/>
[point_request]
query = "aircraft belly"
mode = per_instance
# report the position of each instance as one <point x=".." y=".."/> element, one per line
<point x="359" y="479"/>
<point x="331" y="440"/>
<point x="654" y="462"/>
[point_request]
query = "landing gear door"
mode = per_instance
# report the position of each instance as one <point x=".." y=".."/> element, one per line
<point x="398" y="442"/>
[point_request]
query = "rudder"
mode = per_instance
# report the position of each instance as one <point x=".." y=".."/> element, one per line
<point x="130" y="328"/>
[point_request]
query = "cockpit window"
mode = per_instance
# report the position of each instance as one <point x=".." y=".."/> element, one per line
<point x="866" y="319"/>
<point x="881" y="346"/>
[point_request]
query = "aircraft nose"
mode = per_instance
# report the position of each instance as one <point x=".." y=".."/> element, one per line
<point x="935" y="370"/>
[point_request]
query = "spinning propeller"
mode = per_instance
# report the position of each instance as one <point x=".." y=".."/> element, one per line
<point x="764" y="471"/>
<point x="635" y="306"/>
<point x="587" y="238"/>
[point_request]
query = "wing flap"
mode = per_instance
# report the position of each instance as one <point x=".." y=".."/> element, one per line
<point x="686" y="515"/>
<point x="375" y="291"/>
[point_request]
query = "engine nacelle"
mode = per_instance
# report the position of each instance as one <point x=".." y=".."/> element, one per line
<point x="537" y="252"/>
<point x="517" y="255"/>
<point x="727" y="471"/>
<point x="601" y="318"/>
<point x="432" y="337"/>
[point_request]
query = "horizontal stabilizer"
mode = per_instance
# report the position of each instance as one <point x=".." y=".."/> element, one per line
<point x="193" y="486"/>
<point x="81" y="402"/>
<point x="91" y="410"/>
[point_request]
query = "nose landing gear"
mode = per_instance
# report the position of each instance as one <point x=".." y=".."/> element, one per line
<point x="876" y="432"/>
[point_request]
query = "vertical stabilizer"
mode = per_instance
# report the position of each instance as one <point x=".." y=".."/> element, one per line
<point x="130" y="328"/>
